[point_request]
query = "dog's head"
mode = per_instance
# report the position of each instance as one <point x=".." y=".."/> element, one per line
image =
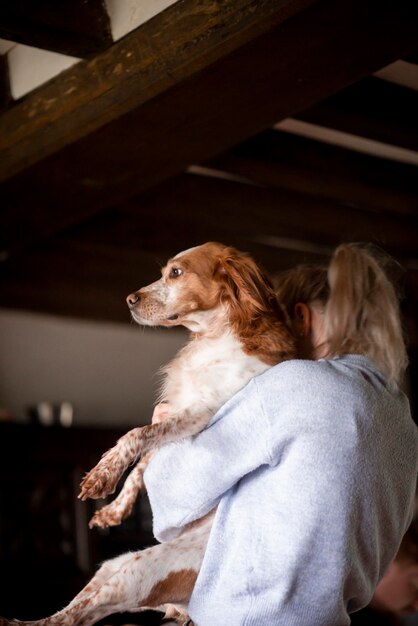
<point x="205" y="288"/>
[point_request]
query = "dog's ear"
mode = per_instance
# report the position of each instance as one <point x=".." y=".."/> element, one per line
<point x="248" y="290"/>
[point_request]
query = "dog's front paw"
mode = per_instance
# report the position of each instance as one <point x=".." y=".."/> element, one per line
<point x="101" y="481"/>
<point x="112" y="514"/>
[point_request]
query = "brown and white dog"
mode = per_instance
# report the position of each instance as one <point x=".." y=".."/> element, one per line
<point x="238" y="330"/>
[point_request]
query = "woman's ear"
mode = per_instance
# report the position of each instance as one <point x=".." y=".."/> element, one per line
<point x="302" y="319"/>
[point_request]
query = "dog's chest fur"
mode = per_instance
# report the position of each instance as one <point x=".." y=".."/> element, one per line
<point x="207" y="372"/>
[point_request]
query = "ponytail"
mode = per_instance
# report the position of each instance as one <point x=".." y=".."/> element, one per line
<point x="362" y="311"/>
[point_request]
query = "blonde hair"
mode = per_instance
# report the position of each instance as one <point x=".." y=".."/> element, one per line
<point x="361" y="307"/>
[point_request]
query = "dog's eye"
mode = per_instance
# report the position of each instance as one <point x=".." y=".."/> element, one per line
<point x="175" y="271"/>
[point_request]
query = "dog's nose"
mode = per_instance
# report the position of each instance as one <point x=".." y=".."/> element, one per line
<point x="132" y="299"/>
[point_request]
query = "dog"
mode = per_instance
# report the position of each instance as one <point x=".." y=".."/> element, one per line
<point x="238" y="330"/>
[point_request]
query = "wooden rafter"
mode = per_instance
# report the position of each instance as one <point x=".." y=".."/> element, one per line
<point x="194" y="81"/>
<point x="190" y="209"/>
<point x="72" y="27"/>
<point x="174" y="46"/>
<point x="210" y="205"/>
<point x="279" y="159"/>
<point x="372" y="108"/>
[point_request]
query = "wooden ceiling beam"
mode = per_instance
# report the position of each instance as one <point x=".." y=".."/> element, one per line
<point x="372" y="108"/>
<point x="73" y="27"/>
<point x="175" y="45"/>
<point x="201" y="204"/>
<point x="191" y="209"/>
<point x="283" y="160"/>
<point x="187" y="85"/>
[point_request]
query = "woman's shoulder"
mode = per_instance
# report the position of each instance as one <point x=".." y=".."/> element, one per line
<point x="343" y="376"/>
<point x="337" y="369"/>
<point x="300" y="382"/>
<point x="347" y="366"/>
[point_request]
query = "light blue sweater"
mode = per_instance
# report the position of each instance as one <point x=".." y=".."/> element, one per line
<point x="314" y="467"/>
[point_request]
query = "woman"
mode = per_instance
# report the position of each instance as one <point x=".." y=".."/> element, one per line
<point x="312" y="465"/>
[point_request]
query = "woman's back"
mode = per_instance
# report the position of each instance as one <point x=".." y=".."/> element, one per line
<point x="326" y="456"/>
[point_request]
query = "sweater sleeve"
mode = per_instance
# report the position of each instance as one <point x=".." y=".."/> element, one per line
<point x="186" y="480"/>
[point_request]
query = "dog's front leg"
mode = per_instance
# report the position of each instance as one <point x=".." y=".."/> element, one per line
<point x="101" y="481"/>
<point x="114" y="513"/>
<point x="173" y="428"/>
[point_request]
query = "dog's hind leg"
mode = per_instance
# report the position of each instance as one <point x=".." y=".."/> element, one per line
<point x="162" y="575"/>
<point x="103" y="574"/>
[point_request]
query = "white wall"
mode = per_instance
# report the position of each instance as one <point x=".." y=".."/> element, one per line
<point x="129" y="14"/>
<point x="30" y="67"/>
<point x="107" y="371"/>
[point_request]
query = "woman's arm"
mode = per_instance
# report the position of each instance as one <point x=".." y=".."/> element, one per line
<point x="186" y="480"/>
